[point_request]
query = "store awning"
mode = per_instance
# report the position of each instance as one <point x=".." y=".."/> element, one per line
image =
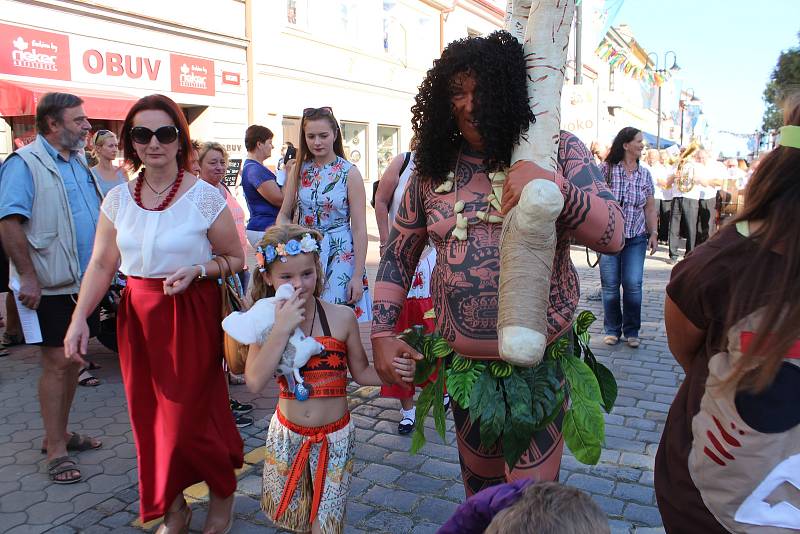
<point x="19" y="98"/>
<point x="650" y="141"/>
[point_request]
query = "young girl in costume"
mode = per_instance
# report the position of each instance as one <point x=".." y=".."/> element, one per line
<point x="310" y="443"/>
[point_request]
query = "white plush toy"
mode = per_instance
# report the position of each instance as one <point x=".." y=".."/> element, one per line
<point x="254" y="325"/>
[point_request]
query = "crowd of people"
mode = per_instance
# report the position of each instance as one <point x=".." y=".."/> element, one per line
<point x="175" y="230"/>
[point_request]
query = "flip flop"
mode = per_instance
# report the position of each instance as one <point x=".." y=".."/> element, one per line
<point x="78" y="443"/>
<point x="59" y="466"/>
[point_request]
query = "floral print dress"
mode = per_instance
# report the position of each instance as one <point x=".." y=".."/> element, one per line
<point x="323" y="206"/>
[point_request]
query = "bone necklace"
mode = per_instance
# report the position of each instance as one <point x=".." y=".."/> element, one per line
<point x="493" y="200"/>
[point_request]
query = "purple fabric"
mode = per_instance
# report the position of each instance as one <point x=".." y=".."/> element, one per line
<point x="474" y="515"/>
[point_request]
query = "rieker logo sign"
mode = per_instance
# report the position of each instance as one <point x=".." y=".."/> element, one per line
<point x="192" y="75"/>
<point x="36" y="53"/>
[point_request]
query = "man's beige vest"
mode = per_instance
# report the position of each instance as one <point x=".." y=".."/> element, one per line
<point x="50" y="229"/>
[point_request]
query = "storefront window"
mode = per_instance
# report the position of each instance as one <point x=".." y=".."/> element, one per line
<point x="388" y="146"/>
<point x="354" y="139"/>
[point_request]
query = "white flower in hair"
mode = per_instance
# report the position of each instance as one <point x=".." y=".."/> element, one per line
<point x="308" y="244"/>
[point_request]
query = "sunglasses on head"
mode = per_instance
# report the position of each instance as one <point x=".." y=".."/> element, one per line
<point x="324" y="110"/>
<point x="165" y="134"/>
<point x="99" y="133"/>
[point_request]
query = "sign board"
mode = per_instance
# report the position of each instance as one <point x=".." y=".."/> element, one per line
<point x="232" y="173"/>
<point x="36" y="53"/>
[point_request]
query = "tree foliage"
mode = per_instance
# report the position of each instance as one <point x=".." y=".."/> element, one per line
<point x="785" y="79"/>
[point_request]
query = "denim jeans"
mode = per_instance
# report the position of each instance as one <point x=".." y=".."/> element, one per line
<point x="626" y="269"/>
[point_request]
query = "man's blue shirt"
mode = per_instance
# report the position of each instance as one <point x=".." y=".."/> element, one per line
<point x="16" y="196"/>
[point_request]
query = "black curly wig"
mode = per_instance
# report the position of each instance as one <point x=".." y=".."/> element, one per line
<point x="502" y="109"/>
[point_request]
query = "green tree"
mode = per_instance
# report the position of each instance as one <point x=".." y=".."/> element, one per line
<point x="784" y="80"/>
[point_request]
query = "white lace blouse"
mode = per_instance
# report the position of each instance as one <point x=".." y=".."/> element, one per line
<point x="155" y="244"/>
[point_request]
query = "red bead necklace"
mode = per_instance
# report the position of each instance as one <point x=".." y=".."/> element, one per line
<point x="137" y="191"/>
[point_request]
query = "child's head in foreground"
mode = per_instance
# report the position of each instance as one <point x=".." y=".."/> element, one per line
<point x="550" y="508"/>
<point x="288" y="253"/>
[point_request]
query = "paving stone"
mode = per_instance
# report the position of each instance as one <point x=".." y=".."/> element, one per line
<point x="251" y="485"/>
<point x="420" y="483"/>
<point x="456" y="493"/>
<point x="388" y="522"/>
<point x="435" y="510"/>
<point x="642" y="514"/>
<point x="371" y="453"/>
<point x="405" y="460"/>
<point x="641" y="424"/>
<point x="441" y="469"/>
<point x="425" y="528"/>
<point x="45" y="513"/>
<point x="119" y="519"/>
<point x="62" y="529"/>
<point x="28" y="529"/>
<point x="382" y="474"/>
<point x="20" y="501"/>
<point x="609" y="505"/>
<point x="620" y="527"/>
<point x="625" y="444"/>
<point x="591" y="484"/>
<point x="10" y="520"/>
<point x="246" y="506"/>
<point x="637" y="460"/>
<point x="399" y="500"/>
<point x="635" y="492"/>
<point x="107" y="484"/>
<point x="654" y="406"/>
<point x="358" y="486"/>
<point x="356" y="512"/>
<point x="87" y="518"/>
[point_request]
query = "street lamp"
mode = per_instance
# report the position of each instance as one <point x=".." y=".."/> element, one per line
<point x="692" y="101"/>
<point x="663" y="71"/>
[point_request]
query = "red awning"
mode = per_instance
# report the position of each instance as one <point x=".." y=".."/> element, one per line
<point x="19" y="98"/>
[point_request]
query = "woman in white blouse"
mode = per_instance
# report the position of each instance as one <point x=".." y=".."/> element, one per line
<point x="163" y="227"/>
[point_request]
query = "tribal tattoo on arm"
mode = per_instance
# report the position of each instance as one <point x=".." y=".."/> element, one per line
<point x="591" y="214"/>
<point x="405" y="245"/>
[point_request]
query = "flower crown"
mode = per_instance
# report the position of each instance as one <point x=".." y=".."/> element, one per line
<point x="293" y="247"/>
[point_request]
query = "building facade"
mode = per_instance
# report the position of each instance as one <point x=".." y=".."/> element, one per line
<point x="112" y="53"/>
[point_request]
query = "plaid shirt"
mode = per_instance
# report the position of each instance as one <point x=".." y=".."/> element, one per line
<point x="632" y="192"/>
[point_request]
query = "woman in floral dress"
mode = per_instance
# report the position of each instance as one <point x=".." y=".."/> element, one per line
<point x="326" y="193"/>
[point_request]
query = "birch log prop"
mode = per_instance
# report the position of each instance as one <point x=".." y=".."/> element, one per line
<point x="528" y="240"/>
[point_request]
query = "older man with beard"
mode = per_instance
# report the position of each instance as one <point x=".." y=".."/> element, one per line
<point x="49" y="205"/>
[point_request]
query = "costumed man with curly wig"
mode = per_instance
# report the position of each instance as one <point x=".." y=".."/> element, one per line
<point x="470" y="111"/>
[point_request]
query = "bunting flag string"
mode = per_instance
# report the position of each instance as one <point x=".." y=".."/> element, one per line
<point x="619" y="61"/>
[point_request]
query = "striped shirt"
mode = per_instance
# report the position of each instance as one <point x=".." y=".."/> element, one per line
<point x="631" y="191"/>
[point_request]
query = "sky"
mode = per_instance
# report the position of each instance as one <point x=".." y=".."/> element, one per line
<point x="726" y="49"/>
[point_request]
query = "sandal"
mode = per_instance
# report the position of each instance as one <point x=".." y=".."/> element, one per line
<point x="93" y="366"/>
<point x="59" y="466"/>
<point x="87" y="379"/>
<point x="78" y="443"/>
<point x="10" y="340"/>
<point x="187" y="519"/>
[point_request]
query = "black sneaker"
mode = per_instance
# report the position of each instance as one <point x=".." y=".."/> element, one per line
<point x="239" y="408"/>
<point x="243" y="421"/>
<point x="406" y="426"/>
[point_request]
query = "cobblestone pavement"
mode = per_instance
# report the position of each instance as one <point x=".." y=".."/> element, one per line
<point x="391" y="490"/>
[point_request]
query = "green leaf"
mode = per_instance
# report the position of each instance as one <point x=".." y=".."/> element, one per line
<point x="484" y="387"/>
<point x="423" y="371"/>
<point x="329" y="187"/>
<point x="584" y="429"/>
<point x="493" y="415"/>
<point x="545" y="387"/>
<point x="440" y="348"/>
<point x="423" y="407"/>
<point x="558" y="349"/>
<point x="608" y="385"/>
<point x="438" y="405"/>
<point x="515" y="442"/>
<point x="584" y="321"/>
<point x="581" y="379"/>
<point x="461" y="383"/>
<point x="556" y="409"/>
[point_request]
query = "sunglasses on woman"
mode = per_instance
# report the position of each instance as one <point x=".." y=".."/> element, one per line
<point x="324" y="111"/>
<point x="165" y="134"/>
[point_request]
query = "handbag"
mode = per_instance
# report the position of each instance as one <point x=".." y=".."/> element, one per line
<point x="235" y="353"/>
